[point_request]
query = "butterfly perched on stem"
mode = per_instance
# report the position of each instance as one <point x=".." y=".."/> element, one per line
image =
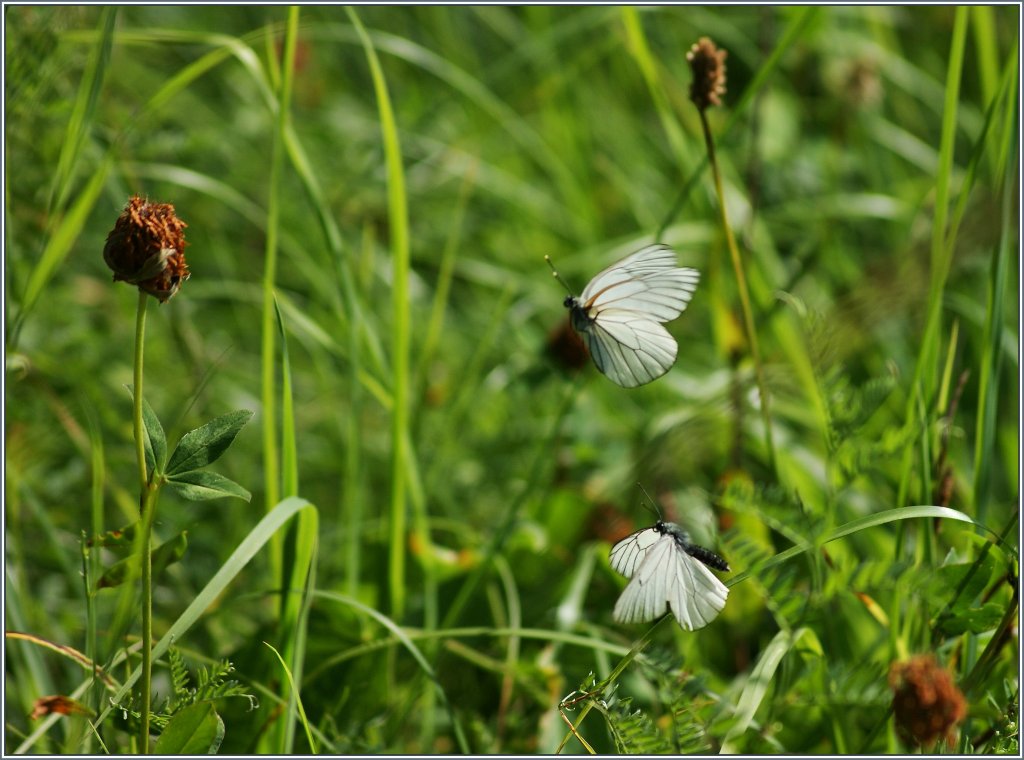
<point x="621" y="311"/>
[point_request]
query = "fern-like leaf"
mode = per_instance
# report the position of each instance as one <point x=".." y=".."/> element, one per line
<point x="634" y="732"/>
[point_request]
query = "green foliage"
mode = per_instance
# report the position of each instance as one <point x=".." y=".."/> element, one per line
<point x="209" y="684"/>
<point x="383" y="204"/>
<point x="188" y="721"/>
<point x="205" y="444"/>
<point x="634" y="732"/>
<point x="195" y="730"/>
<point x="155" y="440"/>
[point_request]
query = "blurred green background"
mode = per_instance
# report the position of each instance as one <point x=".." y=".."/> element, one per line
<point x="870" y="167"/>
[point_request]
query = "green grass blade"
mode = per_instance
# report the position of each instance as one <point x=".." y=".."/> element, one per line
<point x="398" y="220"/>
<point x="855" y="526"/>
<point x="351" y="303"/>
<point x="63" y="240"/>
<point x="637" y="45"/>
<point x="289" y="448"/>
<point x="295" y="618"/>
<point x="268" y="350"/>
<point x="922" y="384"/>
<point x="761" y="678"/>
<point x="986" y="49"/>
<point x="296" y="697"/>
<point x="435" y="323"/>
<point x="80" y="123"/>
<point x="991" y="358"/>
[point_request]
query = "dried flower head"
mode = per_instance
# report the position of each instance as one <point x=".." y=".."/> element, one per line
<point x="708" y="65"/>
<point x="926" y="702"/>
<point x="147" y="248"/>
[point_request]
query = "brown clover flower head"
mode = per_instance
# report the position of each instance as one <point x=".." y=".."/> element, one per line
<point x="926" y="702"/>
<point x="147" y="248"/>
<point x="707" y="63"/>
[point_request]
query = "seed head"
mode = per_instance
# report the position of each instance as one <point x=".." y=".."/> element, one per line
<point x="147" y="248"/>
<point x="926" y="702"/>
<point x="708" y="66"/>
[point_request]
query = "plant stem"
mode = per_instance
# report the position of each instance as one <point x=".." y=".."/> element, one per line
<point x="268" y="349"/>
<point x="146" y="506"/>
<point x="149" y="507"/>
<point x="741" y="284"/>
<point x="140" y="445"/>
<point x="398" y="221"/>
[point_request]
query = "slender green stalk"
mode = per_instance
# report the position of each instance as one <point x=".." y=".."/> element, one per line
<point x="922" y="384"/>
<point x="137" y="428"/>
<point x="283" y="458"/>
<point x="149" y="508"/>
<point x="146" y="505"/>
<point x="271" y="458"/>
<point x="398" y="217"/>
<point x="991" y="358"/>
<point x="291" y="476"/>
<point x="741" y="285"/>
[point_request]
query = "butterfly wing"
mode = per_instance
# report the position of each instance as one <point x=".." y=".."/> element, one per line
<point x="647" y="283"/>
<point x="630" y="349"/>
<point x="628" y="553"/>
<point x="621" y="311"/>
<point x="697" y="595"/>
<point x="666" y="576"/>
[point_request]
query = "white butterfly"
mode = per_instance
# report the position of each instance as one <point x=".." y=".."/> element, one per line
<point x="620" y="313"/>
<point x="666" y="569"/>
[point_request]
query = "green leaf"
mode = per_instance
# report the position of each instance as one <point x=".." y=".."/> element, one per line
<point x="204" y="445"/>
<point x="855" y="526"/>
<point x="156" y="440"/>
<point x="974" y="620"/>
<point x="168" y="552"/>
<point x="966" y="580"/>
<point x="196" y="730"/>
<point x="199" y="485"/>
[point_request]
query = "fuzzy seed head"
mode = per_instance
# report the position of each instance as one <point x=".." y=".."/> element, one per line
<point x="708" y="66"/>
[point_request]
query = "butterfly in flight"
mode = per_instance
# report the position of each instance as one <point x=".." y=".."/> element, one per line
<point x="621" y="312"/>
<point x="665" y="569"/>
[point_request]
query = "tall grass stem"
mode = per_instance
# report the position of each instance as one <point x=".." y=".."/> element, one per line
<point x="398" y="219"/>
<point x="741" y="285"/>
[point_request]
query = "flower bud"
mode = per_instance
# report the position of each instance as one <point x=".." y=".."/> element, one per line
<point x="147" y="248"/>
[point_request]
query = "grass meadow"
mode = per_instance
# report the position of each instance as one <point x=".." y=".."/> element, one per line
<point x="405" y="549"/>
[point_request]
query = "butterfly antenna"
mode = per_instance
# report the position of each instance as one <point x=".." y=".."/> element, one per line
<point x="557" y="275"/>
<point x="656" y="511"/>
